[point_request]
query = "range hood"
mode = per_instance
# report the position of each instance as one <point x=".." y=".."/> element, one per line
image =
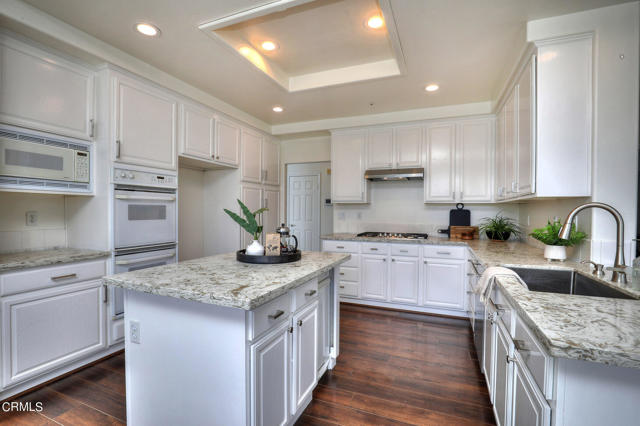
<point x="394" y="174"/>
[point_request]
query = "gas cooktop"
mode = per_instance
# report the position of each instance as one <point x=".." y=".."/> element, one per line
<point x="405" y="235"/>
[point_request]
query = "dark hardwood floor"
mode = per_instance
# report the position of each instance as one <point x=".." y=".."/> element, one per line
<point x="394" y="368"/>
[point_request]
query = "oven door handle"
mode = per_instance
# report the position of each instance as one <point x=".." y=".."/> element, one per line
<point x="145" y="259"/>
<point x="146" y="197"/>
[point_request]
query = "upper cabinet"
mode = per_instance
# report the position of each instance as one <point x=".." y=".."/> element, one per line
<point x="260" y="159"/>
<point x="380" y="149"/>
<point x="348" y="150"/>
<point x="439" y="171"/>
<point x="270" y="162"/>
<point x="45" y="92"/>
<point x="227" y="142"/>
<point x="145" y="124"/>
<point x="396" y="147"/>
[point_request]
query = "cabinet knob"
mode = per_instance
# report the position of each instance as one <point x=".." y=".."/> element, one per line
<point x="299" y="323"/>
<point x="393" y="260"/>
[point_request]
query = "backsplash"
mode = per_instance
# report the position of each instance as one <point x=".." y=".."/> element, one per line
<point x="48" y="232"/>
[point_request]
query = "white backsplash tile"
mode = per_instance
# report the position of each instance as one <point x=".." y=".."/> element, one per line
<point x="10" y="241"/>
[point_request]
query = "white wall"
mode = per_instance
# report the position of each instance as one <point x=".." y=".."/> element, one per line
<point x="50" y="231"/>
<point x="190" y="214"/>
<point x="306" y="150"/>
<point x="615" y="131"/>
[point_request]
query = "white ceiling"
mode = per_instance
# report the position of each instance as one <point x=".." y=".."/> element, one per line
<point x="463" y="45"/>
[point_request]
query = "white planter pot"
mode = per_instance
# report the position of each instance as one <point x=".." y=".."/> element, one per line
<point x="555" y="252"/>
<point x="255" y="249"/>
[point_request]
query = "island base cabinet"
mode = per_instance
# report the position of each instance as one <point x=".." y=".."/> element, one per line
<point x="305" y="341"/>
<point x="33" y="343"/>
<point x="503" y="371"/>
<point x="529" y="406"/>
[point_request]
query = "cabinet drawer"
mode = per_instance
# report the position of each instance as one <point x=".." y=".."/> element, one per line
<point x="348" y="289"/>
<point x="305" y="294"/>
<point x="535" y="358"/>
<point x="349" y="274"/>
<point x="354" y="262"/>
<point x="375" y="248"/>
<point x="444" y="252"/>
<point x="405" y="250"/>
<point x="269" y="315"/>
<point x="341" y="246"/>
<point x="22" y="281"/>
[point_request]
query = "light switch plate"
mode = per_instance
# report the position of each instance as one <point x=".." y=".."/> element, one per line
<point x="31" y="218"/>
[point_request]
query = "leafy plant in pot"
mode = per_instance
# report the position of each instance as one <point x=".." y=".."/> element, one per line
<point x="252" y="225"/>
<point x="555" y="247"/>
<point x="499" y="228"/>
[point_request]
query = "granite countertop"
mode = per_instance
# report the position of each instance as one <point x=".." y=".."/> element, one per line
<point x="222" y="280"/>
<point x="36" y="258"/>
<point x="598" y="329"/>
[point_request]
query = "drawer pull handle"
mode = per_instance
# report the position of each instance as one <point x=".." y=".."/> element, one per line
<point x="443" y="252"/>
<point x="310" y="293"/>
<point x="393" y="260"/>
<point x="373" y="249"/>
<point x="501" y="308"/>
<point x="521" y="345"/>
<point x="404" y="251"/>
<point x="340" y="247"/>
<point x="277" y="315"/>
<point x="64" y="277"/>
<point x="341" y="286"/>
<point x="469" y="292"/>
<point x="341" y="273"/>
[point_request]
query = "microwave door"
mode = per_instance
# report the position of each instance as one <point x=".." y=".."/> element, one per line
<point x="32" y="160"/>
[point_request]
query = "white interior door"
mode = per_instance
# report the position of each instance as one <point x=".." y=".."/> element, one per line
<point x="303" y="210"/>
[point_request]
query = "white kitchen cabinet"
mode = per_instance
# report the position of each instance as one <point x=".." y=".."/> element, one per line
<point x="270" y="378"/>
<point x="348" y="151"/>
<point x="270" y="162"/>
<point x="510" y="143"/>
<point x="529" y="406"/>
<point x="227" y="142"/>
<point x="197" y="136"/>
<point x="33" y="343"/>
<point x="374" y="277"/>
<point x="408" y="146"/>
<point x="439" y="179"/>
<point x="270" y="218"/>
<point x="305" y="341"/>
<point x="380" y="149"/>
<point x="500" y="159"/>
<point x="404" y="279"/>
<point x="145" y="124"/>
<point x="475" y="160"/>
<point x="489" y="349"/>
<point x="251" y="196"/>
<point x="503" y="373"/>
<point x="251" y="156"/>
<point x="525" y="167"/>
<point x="45" y="92"/>
<point x="324" y="324"/>
<point x="444" y="283"/>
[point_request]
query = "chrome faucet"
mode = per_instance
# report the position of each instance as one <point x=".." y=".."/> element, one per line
<point x="619" y="274"/>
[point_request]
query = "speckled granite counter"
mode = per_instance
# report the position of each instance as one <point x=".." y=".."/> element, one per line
<point x="587" y="328"/>
<point x="32" y="259"/>
<point x="222" y="280"/>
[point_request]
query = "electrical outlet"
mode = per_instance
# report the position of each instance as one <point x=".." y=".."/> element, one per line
<point x="31" y="218"/>
<point x="134" y="332"/>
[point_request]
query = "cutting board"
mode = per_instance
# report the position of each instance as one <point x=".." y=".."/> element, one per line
<point x="459" y="216"/>
<point x="464" y="233"/>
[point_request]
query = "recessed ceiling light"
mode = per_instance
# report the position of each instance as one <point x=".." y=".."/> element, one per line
<point x="269" y="45"/>
<point x="278" y="109"/>
<point x="432" y="88"/>
<point x="375" y="22"/>
<point x="147" y="29"/>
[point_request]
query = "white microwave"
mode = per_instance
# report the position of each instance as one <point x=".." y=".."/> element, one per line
<point x="51" y="161"/>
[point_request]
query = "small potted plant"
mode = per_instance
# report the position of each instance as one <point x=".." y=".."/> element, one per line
<point x="499" y="228"/>
<point x="555" y="248"/>
<point x="252" y="225"/>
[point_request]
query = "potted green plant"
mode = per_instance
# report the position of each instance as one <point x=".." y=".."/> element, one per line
<point x="555" y="248"/>
<point x="499" y="228"/>
<point x="252" y="224"/>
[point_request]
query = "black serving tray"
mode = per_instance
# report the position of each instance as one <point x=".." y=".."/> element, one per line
<point x="268" y="260"/>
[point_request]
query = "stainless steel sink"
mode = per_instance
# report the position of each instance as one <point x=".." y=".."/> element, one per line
<point x="566" y="282"/>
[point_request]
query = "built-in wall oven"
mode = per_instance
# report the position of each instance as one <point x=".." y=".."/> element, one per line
<point x="145" y="213"/>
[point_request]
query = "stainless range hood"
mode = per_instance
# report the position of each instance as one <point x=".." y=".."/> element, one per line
<point x="394" y="174"/>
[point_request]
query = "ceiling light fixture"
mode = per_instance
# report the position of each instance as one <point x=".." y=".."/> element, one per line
<point x="147" y="29"/>
<point x="278" y="109"/>
<point x="432" y="87"/>
<point x="269" y="45"/>
<point x="375" y="22"/>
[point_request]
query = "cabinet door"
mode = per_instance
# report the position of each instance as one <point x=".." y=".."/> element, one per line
<point x="197" y="135"/>
<point x="510" y="143"/>
<point x="251" y="156"/>
<point x="439" y="185"/>
<point x="271" y="218"/>
<point x="404" y="279"/>
<point x="305" y="341"/>
<point x="529" y="406"/>
<point x="500" y="159"/>
<point x="145" y="125"/>
<point x="475" y="160"/>
<point x="502" y="377"/>
<point x="488" y="358"/>
<point x="408" y="146"/>
<point x="33" y="343"/>
<point x="380" y="149"/>
<point x="44" y="92"/>
<point x="374" y="277"/>
<point x="526" y="135"/>
<point x="347" y="167"/>
<point x="324" y="328"/>
<point x="444" y="284"/>
<point x="270" y="378"/>
<point x="227" y="142"/>
<point x="252" y="198"/>
<point x="270" y="163"/>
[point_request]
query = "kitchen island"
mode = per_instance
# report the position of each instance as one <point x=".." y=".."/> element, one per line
<point x="216" y="341"/>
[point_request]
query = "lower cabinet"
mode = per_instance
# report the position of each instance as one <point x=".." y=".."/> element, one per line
<point x="503" y="371"/>
<point x="404" y="279"/>
<point x="529" y="405"/>
<point x="324" y="324"/>
<point x="374" y="277"/>
<point x="305" y="341"/>
<point x="444" y="283"/>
